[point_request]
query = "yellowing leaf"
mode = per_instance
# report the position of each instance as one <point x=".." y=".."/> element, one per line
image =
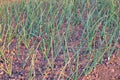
<point x="0" y="28"/>
<point x="0" y="33"/>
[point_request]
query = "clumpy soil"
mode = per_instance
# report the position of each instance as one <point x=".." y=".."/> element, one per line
<point x="106" y="71"/>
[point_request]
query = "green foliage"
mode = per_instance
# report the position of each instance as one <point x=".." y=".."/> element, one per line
<point x="45" y="17"/>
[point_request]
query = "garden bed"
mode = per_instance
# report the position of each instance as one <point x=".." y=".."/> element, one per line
<point x="60" y="40"/>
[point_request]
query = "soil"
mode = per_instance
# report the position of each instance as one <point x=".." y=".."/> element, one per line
<point x="23" y="68"/>
<point x="106" y="71"/>
<point x="23" y="65"/>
